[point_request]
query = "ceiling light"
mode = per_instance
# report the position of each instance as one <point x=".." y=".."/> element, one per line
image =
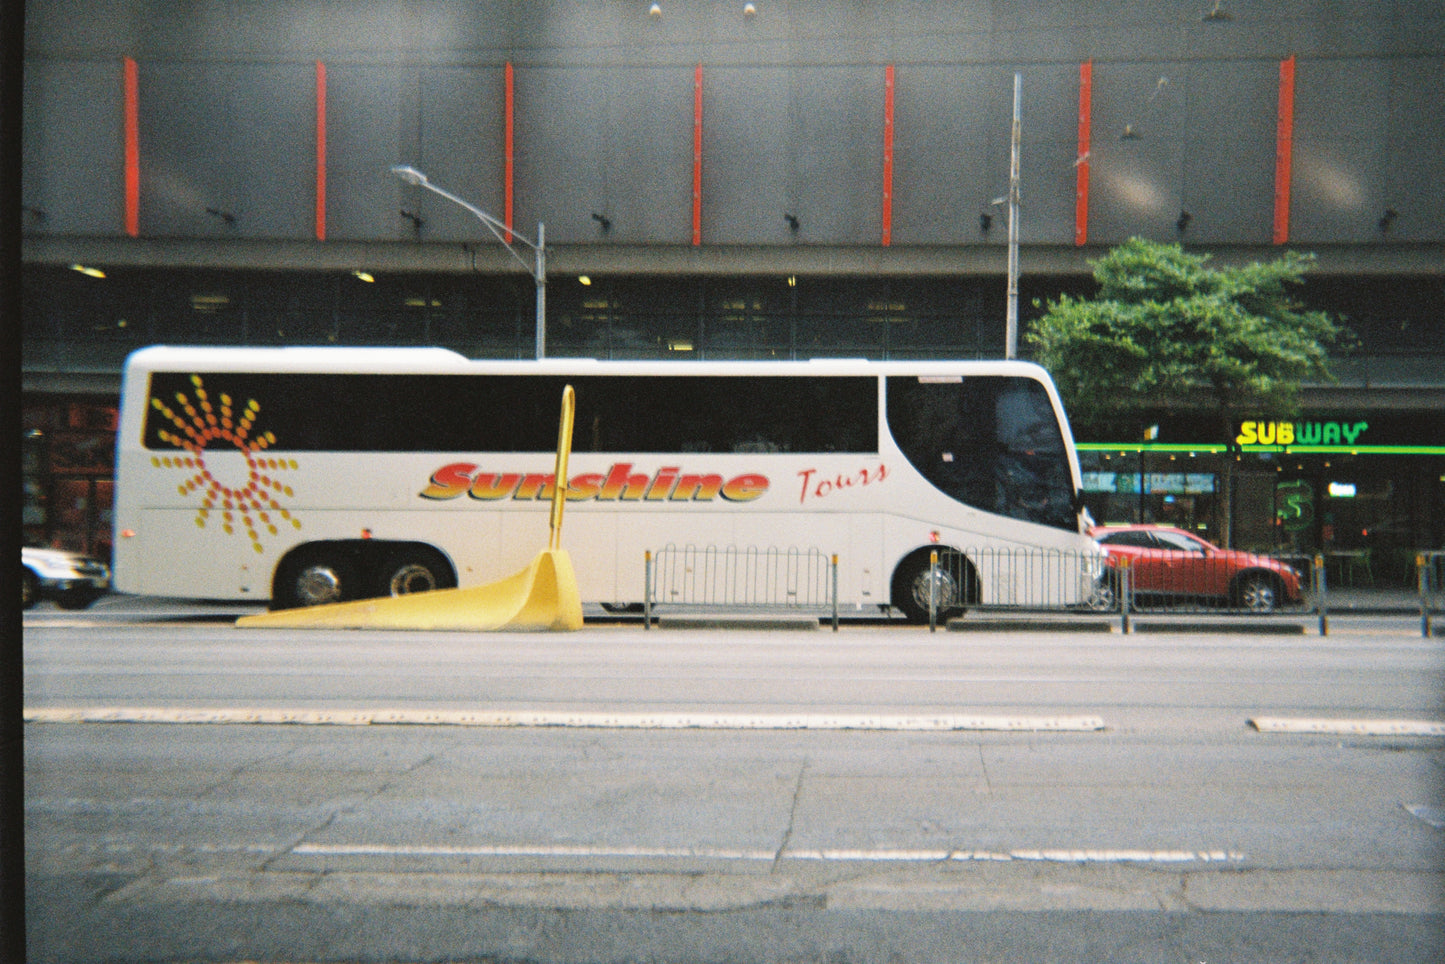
<point x="88" y="271"/>
<point x="655" y="10"/>
<point x="363" y="276"/>
<point x="584" y="280"/>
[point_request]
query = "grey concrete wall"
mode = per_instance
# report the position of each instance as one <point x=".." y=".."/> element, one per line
<point x="793" y="107"/>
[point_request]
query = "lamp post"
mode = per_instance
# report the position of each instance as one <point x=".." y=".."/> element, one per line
<point x="1011" y="320"/>
<point x="538" y="269"/>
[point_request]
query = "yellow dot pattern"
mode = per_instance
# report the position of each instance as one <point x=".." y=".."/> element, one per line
<point x="202" y="425"/>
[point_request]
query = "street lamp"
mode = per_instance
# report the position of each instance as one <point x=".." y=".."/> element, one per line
<point x="538" y="270"/>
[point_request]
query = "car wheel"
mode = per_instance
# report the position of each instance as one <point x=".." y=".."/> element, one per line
<point x="1257" y="593"/>
<point x="911" y="587"/>
<point x="29" y="588"/>
<point x="413" y="570"/>
<point x="315" y="578"/>
<point x="1104" y="597"/>
<point x="75" y="599"/>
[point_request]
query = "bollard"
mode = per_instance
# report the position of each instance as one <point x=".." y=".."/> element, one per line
<point x="1422" y="574"/>
<point x="933" y="591"/>
<point x="1322" y="602"/>
<point x="1125" y="602"/>
<point x="647" y="590"/>
<point x="835" y="592"/>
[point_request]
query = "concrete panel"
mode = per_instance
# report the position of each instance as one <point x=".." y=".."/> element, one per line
<point x="73" y="153"/>
<point x="369" y="130"/>
<point x="462" y="133"/>
<point x="751" y="119"/>
<point x="219" y="140"/>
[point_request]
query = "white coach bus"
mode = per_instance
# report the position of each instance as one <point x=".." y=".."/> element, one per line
<point x="311" y="475"/>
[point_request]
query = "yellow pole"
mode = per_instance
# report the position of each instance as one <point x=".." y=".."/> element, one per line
<point x="564" y="449"/>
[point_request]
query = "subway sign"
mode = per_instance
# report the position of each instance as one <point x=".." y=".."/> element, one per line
<point x="1378" y="433"/>
<point x="1301" y="433"/>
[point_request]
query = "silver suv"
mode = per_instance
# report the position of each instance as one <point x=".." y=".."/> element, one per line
<point x="74" y="581"/>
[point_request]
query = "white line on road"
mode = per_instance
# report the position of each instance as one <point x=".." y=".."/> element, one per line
<point x="505" y="719"/>
<point x="1340" y="727"/>
<point x="940" y="855"/>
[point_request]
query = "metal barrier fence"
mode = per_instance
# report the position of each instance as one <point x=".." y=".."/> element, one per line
<point x="1122" y="583"/>
<point x="731" y="577"/>
<point x="950" y="581"/>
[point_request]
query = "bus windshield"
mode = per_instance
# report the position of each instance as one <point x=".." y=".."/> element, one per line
<point x="993" y="443"/>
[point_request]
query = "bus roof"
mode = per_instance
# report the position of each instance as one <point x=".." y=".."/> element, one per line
<point x="445" y="361"/>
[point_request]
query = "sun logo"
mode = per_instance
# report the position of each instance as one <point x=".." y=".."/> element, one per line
<point x="230" y="467"/>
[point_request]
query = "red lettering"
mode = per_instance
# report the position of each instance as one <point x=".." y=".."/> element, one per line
<point x="583" y="487"/>
<point x="536" y="486"/>
<point x="662" y="483"/>
<point x="823" y="488"/>
<point x="698" y="488"/>
<point x="745" y="488"/>
<point x="490" y="486"/>
<point x="620" y="485"/>
<point x="449" y="481"/>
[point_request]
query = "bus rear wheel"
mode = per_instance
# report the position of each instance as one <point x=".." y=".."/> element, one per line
<point x="411" y="570"/>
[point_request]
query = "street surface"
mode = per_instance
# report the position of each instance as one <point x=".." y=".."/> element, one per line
<point x="195" y="792"/>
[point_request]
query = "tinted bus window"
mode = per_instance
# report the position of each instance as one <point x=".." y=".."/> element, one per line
<point x="991" y="442"/>
<point x="518" y="413"/>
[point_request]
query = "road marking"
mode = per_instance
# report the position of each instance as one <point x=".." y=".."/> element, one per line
<point x="506" y="719"/>
<point x="1335" y="727"/>
<point x="883" y="855"/>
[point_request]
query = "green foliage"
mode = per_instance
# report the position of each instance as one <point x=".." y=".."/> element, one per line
<point x="1164" y="325"/>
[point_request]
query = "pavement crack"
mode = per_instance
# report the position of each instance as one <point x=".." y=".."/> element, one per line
<point x="983" y="764"/>
<point x="792" y="816"/>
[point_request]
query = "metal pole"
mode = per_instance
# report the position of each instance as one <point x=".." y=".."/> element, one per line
<point x="1125" y="603"/>
<point x="647" y="590"/>
<point x="1011" y="325"/>
<point x="933" y="591"/>
<point x="1422" y="575"/>
<point x="1322" y="594"/>
<point x="835" y="593"/>
<point x="541" y="276"/>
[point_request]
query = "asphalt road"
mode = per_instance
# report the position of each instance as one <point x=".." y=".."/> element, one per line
<point x="196" y="792"/>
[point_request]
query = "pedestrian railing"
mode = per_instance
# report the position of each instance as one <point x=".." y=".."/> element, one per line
<point x="701" y="578"/>
<point x="951" y="581"/>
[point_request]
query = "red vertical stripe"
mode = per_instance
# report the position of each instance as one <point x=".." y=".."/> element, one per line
<point x="132" y="148"/>
<point x="508" y="147"/>
<point x="1284" y="151"/>
<point x="888" y="155"/>
<point x="1081" y="162"/>
<point x="697" y="156"/>
<point x="320" y="151"/>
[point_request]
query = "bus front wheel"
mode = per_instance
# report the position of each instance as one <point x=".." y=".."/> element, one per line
<point x="315" y="578"/>
<point x="916" y="582"/>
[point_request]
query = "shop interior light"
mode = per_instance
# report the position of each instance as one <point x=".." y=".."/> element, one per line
<point x="88" y="271"/>
<point x="366" y="276"/>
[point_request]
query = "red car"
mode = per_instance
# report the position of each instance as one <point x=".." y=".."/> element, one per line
<point x="1169" y="565"/>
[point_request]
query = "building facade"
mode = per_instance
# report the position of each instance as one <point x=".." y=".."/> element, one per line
<point x="779" y="179"/>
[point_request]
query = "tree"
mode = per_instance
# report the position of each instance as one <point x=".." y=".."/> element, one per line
<point x="1166" y="327"/>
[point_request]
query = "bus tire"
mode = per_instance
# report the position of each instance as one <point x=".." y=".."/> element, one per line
<point x="413" y="569"/>
<point x="957" y="584"/>
<point x="316" y="576"/>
